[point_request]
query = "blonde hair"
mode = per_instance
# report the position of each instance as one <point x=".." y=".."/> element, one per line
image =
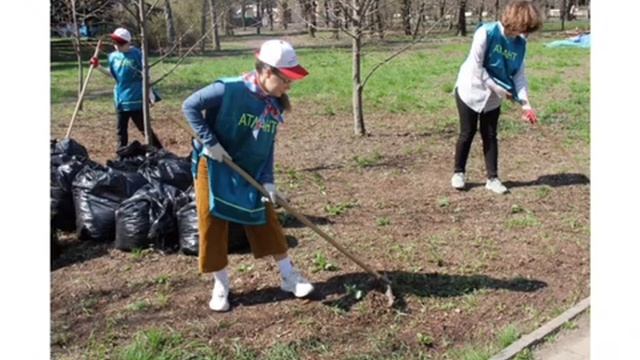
<point x="521" y="17"/>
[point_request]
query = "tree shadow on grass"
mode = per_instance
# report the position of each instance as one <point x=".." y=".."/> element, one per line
<point x="353" y="288"/>
<point x="552" y="180"/>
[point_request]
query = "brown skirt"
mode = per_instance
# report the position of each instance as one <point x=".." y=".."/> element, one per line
<point x="265" y="239"/>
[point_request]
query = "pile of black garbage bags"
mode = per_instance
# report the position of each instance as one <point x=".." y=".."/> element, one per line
<point x="144" y="198"/>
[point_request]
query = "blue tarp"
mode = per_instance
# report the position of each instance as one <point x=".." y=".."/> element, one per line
<point x="580" y="41"/>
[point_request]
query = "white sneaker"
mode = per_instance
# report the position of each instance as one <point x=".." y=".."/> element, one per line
<point x="219" y="297"/>
<point x="496" y="186"/>
<point x="296" y="284"/>
<point x="457" y="180"/>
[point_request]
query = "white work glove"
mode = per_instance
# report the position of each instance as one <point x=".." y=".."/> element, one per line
<point x="273" y="193"/>
<point x="216" y="152"/>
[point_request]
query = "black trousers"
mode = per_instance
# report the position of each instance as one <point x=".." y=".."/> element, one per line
<point x="123" y="126"/>
<point x="468" y="128"/>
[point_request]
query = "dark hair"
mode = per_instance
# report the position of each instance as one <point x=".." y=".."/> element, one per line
<point x="284" y="99"/>
<point x="521" y="16"/>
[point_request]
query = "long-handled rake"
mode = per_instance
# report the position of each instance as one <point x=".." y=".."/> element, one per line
<point x="84" y="87"/>
<point x="303" y="219"/>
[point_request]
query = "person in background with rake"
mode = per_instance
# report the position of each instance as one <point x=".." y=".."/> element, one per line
<point x="240" y="121"/>
<point x="493" y="71"/>
<point x="125" y="66"/>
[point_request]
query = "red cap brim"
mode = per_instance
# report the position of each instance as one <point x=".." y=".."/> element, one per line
<point x="118" y="39"/>
<point x="294" y="73"/>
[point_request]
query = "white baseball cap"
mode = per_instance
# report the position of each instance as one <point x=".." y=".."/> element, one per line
<point x="121" y="36"/>
<point x="280" y="54"/>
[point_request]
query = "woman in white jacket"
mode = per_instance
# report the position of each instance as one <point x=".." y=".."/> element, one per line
<point x="493" y="71"/>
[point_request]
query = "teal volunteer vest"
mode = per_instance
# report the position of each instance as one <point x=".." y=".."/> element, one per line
<point x="127" y="70"/>
<point x="503" y="57"/>
<point x="249" y="143"/>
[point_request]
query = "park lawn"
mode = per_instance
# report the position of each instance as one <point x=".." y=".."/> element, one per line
<point x="472" y="270"/>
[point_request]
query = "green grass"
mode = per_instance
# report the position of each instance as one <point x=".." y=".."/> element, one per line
<point x="419" y="81"/>
<point x="368" y="161"/>
<point x="508" y="336"/>
<point x="282" y="352"/>
<point x="522" y="221"/>
<point x="525" y="354"/>
<point x="155" y="344"/>
<point x="321" y="263"/>
<point x="339" y="208"/>
<point x="383" y="221"/>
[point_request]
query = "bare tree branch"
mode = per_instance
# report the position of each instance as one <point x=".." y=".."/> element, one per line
<point x="152" y="7"/>
<point x="96" y="10"/>
<point x="405" y="48"/>
<point x="173" y="48"/>
<point x="365" y="7"/>
<point x="132" y="12"/>
<point x="181" y="58"/>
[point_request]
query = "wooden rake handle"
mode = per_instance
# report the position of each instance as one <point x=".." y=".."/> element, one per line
<point x="84" y="87"/>
<point x="303" y="219"/>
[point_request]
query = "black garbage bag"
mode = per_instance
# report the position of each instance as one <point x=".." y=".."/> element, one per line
<point x="118" y="185"/>
<point x="63" y="214"/>
<point x="147" y="219"/>
<point x="187" y="217"/>
<point x="167" y="168"/>
<point x="70" y="147"/>
<point x="97" y="193"/>
<point x="129" y="164"/>
<point x="56" y="248"/>
<point x="135" y="149"/>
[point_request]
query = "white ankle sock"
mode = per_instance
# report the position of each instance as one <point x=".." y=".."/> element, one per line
<point x="286" y="267"/>
<point x="221" y="277"/>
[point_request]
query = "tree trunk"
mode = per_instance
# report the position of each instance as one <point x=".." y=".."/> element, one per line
<point x="145" y="71"/>
<point x="284" y="17"/>
<point x="563" y="13"/>
<point x="327" y="14"/>
<point x="76" y="48"/>
<point x="378" y="19"/>
<point x="443" y="5"/>
<point x="462" y="19"/>
<point x="213" y="13"/>
<point x="480" y="12"/>
<point x="243" y="13"/>
<point x="313" y="17"/>
<point x="270" y="14"/>
<point x="337" y="22"/>
<point x="419" y="22"/>
<point x="356" y="48"/>
<point x="203" y="24"/>
<point x="258" y="16"/>
<point x="497" y="10"/>
<point x="228" y="26"/>
<point x="406" y="16"/>
<point x="171" y="30"/>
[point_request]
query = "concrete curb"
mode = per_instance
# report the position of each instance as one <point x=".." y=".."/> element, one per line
<point x="537" y="335"/>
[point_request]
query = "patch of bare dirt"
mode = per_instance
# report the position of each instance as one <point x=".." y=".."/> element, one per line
<point x="464" y="264"/>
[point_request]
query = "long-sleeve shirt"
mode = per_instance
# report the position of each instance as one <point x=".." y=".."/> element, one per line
<point x="475" y="87"/>
<point x="209" y="101"/>
<point x="126" y="68"/>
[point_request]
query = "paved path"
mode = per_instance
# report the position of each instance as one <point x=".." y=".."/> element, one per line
<point x="570" y="344"/>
